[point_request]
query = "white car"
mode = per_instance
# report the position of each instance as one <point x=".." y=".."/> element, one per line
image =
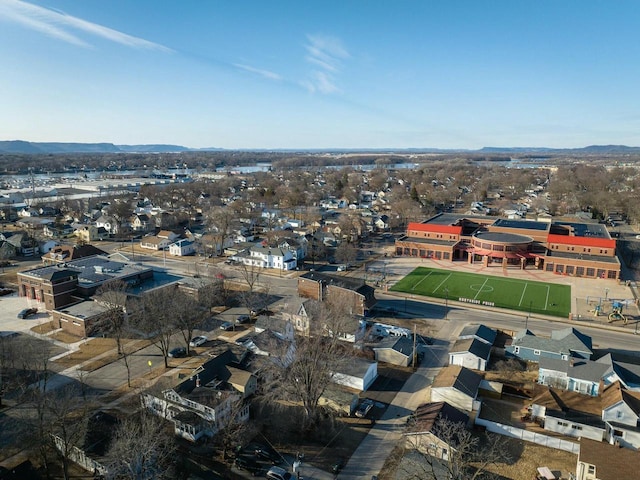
<point x="277" y="473"/>
<point x="197" y="341"/>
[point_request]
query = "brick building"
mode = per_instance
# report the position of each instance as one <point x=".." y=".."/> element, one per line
<point x="359" y="296"/>
<point x="564" y="248"/>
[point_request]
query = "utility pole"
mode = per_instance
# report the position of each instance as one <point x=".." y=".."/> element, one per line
<point x="415" y="353"/>
<point x="526" y="322"/>
<point x="446" y="303"/>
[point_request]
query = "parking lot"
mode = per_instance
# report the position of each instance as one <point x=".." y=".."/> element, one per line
<point x="11" y="305"/>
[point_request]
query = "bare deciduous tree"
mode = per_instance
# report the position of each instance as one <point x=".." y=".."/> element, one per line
<point x="142" y="448"/>
<point x="453" y="452"/>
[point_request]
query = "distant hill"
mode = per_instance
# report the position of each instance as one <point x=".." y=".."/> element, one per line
<point x="591" y="149"/>
<point x="20" y="146"/>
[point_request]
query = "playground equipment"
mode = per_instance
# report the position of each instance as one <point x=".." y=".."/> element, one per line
<point x="616" y="314"/>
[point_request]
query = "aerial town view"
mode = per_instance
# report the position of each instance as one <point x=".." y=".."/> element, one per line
<point x="321" y="241"/>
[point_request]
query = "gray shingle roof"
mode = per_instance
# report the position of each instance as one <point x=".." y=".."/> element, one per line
<point x="578" y="369"/>
<point x="473" y="346"/>
<point x="563" y="341"/>
<point x="481" y="331"/>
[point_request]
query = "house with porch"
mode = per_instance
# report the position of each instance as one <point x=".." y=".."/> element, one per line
<point x="208" y="399"/>
<point x="575" y="374"/>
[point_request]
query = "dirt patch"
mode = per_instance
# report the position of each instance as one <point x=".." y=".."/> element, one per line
<point x="65" y="337"/>
<point x="87" y="350"/>
<point x="130" y="345"/>
<point x="525" y="457"/>
<point x="44" y="328"/>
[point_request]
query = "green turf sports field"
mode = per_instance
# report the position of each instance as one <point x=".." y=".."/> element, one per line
<point x="525" y="295"/>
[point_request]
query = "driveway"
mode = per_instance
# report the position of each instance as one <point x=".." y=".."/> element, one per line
<point x="370" y="456"/>
<point x="10" y="305"/>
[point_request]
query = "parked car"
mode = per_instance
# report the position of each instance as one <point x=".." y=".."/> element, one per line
<point x="277" y="473"/>
<point x="363" y="409"/>
<point x="249" y="464"/>
<point x="27" y="312"/>
<point x="243" y="318"/>
<point x="267" y="453"/>
<point x="226" y="326"/>
<point x="5" y="291"/>
<point x="178" y="352"/>
<point x="197" y="341"/>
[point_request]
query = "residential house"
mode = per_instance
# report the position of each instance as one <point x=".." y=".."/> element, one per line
<point x="457" y="386"/>
<point x="382" y="223"/>
<point x="424" y="433"/>
<point x="562" y="344"/>
<point x="297" y="246"/>
<point x="395" y="350"/>
<point x="182" y="248"/>
<point x="295" y="311"/>
<point x="470" y="353"/>
<point x="153" y="242"/>
<point x="598" y="461"/>
<point x="86" y="233"/>
<point x="628" y="374"/>
<point x="479" y="332"/>
<point x="206" y="401"/>
<point x="24" y="244"/>
<point x="168" y="234"/>
<point x="58" y="231"/>
<point x="277" y="324"/>
<point x="270" y="344"/>
<point x="621" y="413"/>
<point x="614" y="416"/>
<point x="356" y="373"/>
<point x="141" y="222"/>
<point x="353" y="293"/>
<point x="66" y="253"/>
<point x="266" y="257"/>
<point x="575" y="374"/>
<point x="110" y="224"/>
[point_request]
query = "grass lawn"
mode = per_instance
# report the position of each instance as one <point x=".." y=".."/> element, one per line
<point x="524" y="295"/>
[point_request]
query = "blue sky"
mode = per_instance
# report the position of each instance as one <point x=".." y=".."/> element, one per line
<point x="321" y="74"/>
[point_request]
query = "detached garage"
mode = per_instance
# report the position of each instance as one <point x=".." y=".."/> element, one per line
<point x="357" y="373"/>
<point x="470" y="353"/>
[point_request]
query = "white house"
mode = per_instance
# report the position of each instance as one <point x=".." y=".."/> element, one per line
<point x="182" y="248"/>
<point x="267" y="257"/>
<point x="471" y="353"/>
<point x="197" y="406"/>
<point x="152" y="242"/>
<point x="357" y="373"/>
<point x="458" y="386"/>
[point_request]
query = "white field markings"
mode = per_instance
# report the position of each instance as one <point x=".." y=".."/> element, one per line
<point x="423" y="278"/>
<point x="481" y="289"/>
<point x="522" y="296"/>
<point x="546" y="302"/>
<point x="442" y="283"/>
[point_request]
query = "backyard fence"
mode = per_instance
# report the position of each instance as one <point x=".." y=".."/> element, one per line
<point x="539" y="438"/>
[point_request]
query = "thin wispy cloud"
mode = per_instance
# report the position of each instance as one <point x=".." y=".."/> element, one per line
<point x="67" y="28"/>
<point x="258" y="71"/>
<point x="326" y="54"/>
